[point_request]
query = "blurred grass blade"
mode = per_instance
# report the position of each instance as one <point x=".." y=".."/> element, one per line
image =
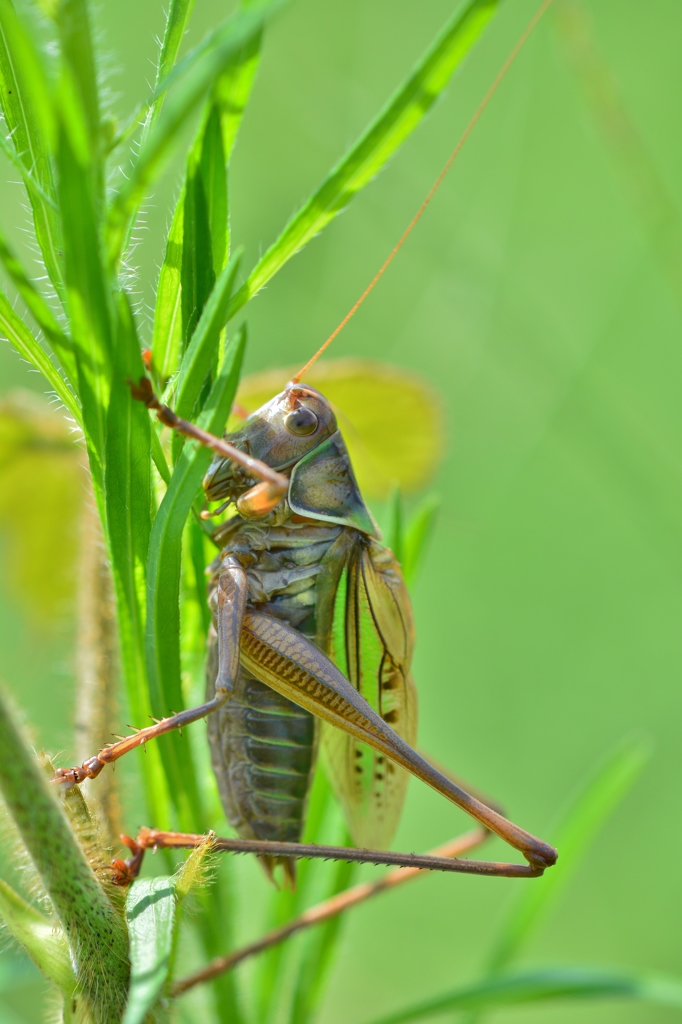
<point x="395" y="123"/>
<point x="203" y="348"/>
<point x="320" y="947"/>
<point x="95" y="932"/>
<point x="416" y="536"/>
<point x="395" y="529"/>
<point x="151" y="917"/>
<point x="163" y="587"/>
<point x="18" y="335"/>
<point x="41" y="312"/>
<point x="546" y="986"/>
<point x="591" y="808"/>
<point x="192" y="79"/>
<point x="29" y="120"/>
<point x="40" y="936"/>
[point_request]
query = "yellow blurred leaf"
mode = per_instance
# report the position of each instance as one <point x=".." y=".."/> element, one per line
<point x="41" y="496"/>
<point x="391" y="419"/>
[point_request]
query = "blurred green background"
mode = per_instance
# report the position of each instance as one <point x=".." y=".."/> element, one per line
<point x="538" y="298"/>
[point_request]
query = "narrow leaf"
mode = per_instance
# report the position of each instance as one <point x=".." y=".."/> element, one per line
<point x="602" y="794"/>
<point x="167" y="338"/>
<point x="194" y="77"/>
<point x="41" y="937"/>
<point x="416" y="536"/>
<point x="95" y="932"/>
<point x="18" y="334"/>
<point x="151" y="917"/>
<point x="379" y="142"/>
<point x="41" y="312"/>
<point x="27" y="108"/>
<point x="128" y="503"/>
<point x="203" y="347"/>
<point x="163" y="587"/>
<point x="545" y="986"/>
<point x="75" y="38"/>
<point x="395" y="530"/>
<point x="87" y="294"/>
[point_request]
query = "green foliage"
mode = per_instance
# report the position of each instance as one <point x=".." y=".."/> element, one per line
<point x="555" y="984"/>
<point x="84" y="335"/>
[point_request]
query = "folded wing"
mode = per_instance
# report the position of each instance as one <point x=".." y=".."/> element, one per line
<point x="371" y="642"/>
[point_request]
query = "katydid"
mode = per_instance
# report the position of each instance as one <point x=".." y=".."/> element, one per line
<point x="311" y="620"/>
<point x="312" y="637"/>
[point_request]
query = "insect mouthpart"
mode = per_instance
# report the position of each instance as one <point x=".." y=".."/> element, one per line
<point x="226" y="480"/>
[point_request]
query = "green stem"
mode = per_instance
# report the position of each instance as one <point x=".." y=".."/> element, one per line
<point x="95" y="932"/>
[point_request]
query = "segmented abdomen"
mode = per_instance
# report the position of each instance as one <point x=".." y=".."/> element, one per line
<point x="262" y="750"/>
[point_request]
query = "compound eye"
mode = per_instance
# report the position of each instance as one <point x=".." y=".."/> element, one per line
<point x="301" y="421"/>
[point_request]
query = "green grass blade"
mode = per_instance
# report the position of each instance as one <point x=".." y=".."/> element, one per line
<point x="203" y="348"/>
<point x="77" y="50"/>
<point x="87" y="295"/>
<point x="95" y="932"/>
<point x="204" y="240"/>
<point x="376" y="146"/>
<point x="192" y="79"/>
<point x="18" y="334"/>
<point x="318" y="956"/>
<point x="179" y="14"/>
<point x="163" y="587"/>
<point x="395" y="528"/>
<point x="167" y="337"/>
<point x="128" y="503"/>
<point x="546" y="986"/>
<point x="40" y="936"/>
<point x="29" y="119"/>
<point x="229" y="98"/>
<point x="232" y="91"/>
<point x="151" y="916"/>
<point x="416" y="536"/>
<point x="599" y="798"/>
<point x="39" y="309"/>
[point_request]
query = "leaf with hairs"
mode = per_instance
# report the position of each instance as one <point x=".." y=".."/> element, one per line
<point x="547" y="986"/>
<point x="384" y="136"/>
<point x="40" y="310"/>
<point x="19" y="336"/>
<point x="190" y="81"/>
<point x="88" y="295"/>
<point x="29" y="118"/>
<point x="40" y="936"/>
<point x="93" y="928"/>
<point x="228" y="101"/>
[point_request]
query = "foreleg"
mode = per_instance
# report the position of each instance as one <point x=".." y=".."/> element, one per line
<point x="231" y="604"/>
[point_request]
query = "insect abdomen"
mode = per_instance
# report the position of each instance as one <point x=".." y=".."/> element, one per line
<point x="262" y="749"/>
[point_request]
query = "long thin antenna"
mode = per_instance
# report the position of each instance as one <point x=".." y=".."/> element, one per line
<point x="434" y="188"/>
